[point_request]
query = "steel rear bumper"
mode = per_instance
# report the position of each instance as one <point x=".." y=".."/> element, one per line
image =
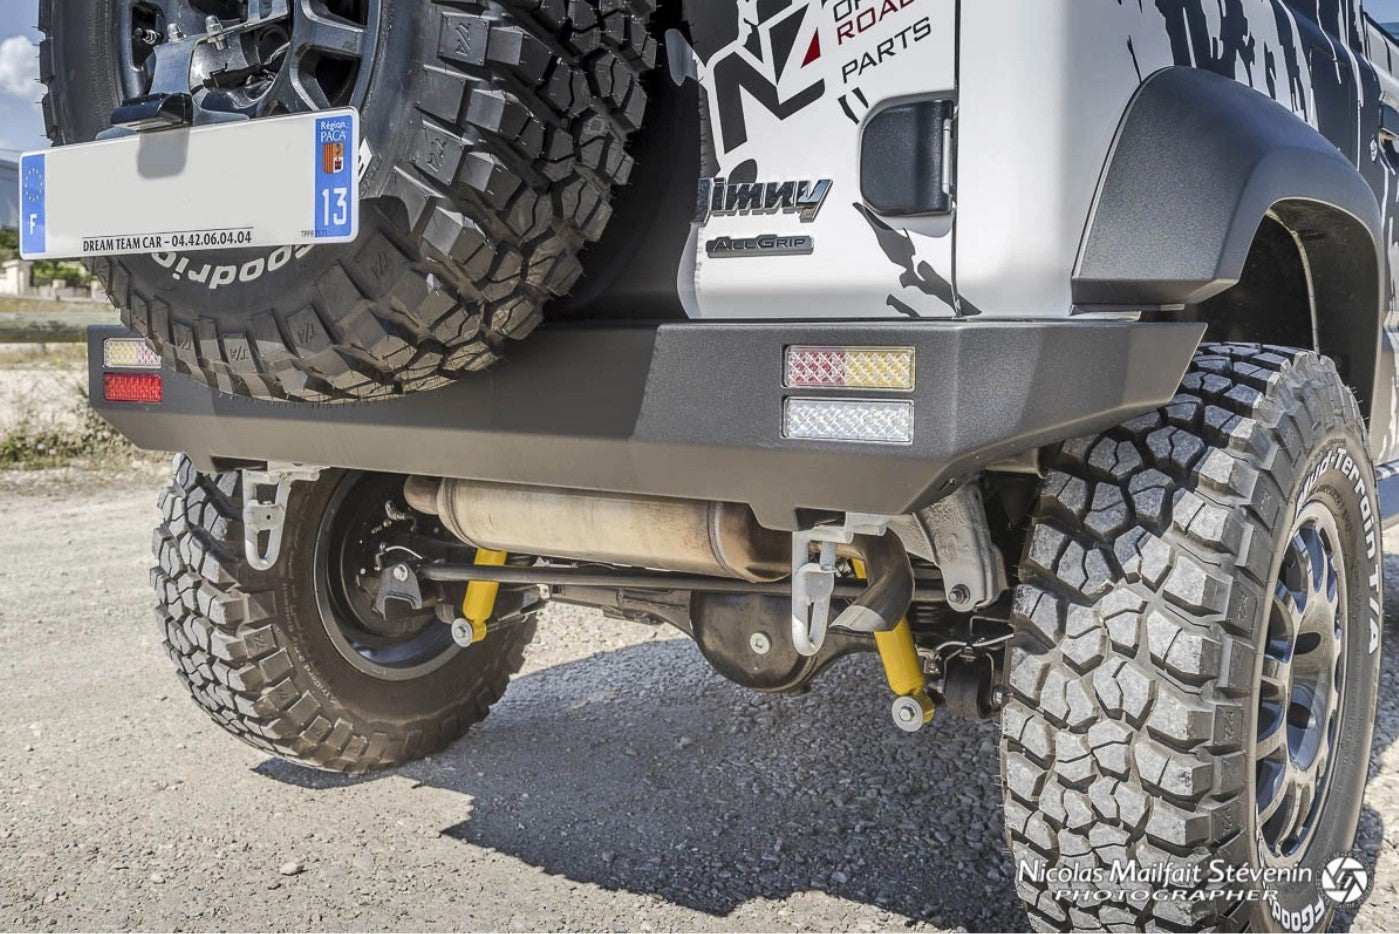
<point x="696" y="411"/>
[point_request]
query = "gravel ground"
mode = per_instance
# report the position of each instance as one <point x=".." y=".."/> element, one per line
<point x="619" y="785"/>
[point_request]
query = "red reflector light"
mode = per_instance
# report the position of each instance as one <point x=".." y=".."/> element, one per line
<point x="132" y="387"/>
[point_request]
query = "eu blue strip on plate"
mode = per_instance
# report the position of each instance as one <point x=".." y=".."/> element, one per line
<point x="33" y="222"/>
<point x="335" y="177"/>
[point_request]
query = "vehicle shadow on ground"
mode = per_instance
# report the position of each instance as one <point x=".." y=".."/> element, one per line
<point x="643" y="771"/>
<point x="640" y="770"/>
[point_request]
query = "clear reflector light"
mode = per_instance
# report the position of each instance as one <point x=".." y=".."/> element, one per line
<point x="124" y="353"/>
<point x="132" y="387"/>
<point x="874" y="420"/>
<point x="850" y="367"/>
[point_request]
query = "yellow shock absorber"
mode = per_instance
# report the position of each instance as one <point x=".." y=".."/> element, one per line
<point x="479" y="605"/>
<point x="900" y="657"/>
<point x="904" y="669"/>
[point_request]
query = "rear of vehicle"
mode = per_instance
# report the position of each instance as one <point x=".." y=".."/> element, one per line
<point x="1034" y="347"/>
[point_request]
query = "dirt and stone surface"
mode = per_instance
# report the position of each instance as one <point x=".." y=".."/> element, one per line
<point x="619" y="785"/>
<point x="40" y="387"/>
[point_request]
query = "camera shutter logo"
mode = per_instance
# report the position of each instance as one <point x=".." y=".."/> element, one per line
<point x="1345" y="880"/>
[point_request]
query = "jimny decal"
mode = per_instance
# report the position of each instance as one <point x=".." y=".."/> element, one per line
<point x="719" y="197"/>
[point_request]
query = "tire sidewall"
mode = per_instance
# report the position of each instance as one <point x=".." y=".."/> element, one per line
<point x="1339" y="474"/>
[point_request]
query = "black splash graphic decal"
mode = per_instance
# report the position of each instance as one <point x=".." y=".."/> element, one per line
<point x="1315" y="58"/>
<point x="860" y="99"/>
<point x="1194" y="43"/>
<point x="898" y="245"/>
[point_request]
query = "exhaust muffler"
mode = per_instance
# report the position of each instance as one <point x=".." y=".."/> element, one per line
<point x="687" y="536"/>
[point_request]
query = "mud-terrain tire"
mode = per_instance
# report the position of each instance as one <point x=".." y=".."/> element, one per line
<point x="1162" y="584"/>
<point x="496" y="133"/>
<point x="256" y="651"/>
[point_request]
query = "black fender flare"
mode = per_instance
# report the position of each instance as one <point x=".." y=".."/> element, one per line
<point x="1198" y="163"/>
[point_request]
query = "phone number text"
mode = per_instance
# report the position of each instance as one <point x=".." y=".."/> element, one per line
<point x="187" y="240"/>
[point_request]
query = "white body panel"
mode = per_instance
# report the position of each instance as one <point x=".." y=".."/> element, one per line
<point x="1033" y="159"/>
<point x="1042" y="87"/>
<point x="848" y="274"/>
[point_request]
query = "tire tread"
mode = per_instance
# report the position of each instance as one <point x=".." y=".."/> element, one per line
<point x="518" y="143"/>
<point x="1133" y="653"/>
<point x="218" y="622"/>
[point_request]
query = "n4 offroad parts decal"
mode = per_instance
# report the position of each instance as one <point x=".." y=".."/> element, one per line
<point x="764" y="66"/>
<point x="789" y="85"/>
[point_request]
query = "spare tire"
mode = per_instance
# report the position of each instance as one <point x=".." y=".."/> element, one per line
<point x="494" y="134"/>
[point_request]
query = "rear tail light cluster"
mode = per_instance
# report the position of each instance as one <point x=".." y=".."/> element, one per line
<point x="871" y="421"/>
<point x="132" y="387"/>
<point x="127" y="354"/>
<point x="121" y="353"/>
<point x="850" y="368"/>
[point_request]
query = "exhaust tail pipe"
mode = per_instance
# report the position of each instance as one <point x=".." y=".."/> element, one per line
<point x="687" y="536"/>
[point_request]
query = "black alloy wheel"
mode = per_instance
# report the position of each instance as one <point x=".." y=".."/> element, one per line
<point x="278" y="56"/>
<point x="1299" y="705"/>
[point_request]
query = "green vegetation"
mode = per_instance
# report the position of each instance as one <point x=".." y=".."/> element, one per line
<point x="46" y="271"/>
<point x="49" y="271"/>
<point x="34" y="442"/>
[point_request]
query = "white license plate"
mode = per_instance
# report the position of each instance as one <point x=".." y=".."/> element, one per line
<point x="281" y="181"/>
